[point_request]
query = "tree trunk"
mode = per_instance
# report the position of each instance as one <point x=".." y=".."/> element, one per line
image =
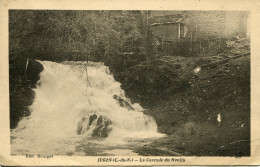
<point x="142" y="20"/>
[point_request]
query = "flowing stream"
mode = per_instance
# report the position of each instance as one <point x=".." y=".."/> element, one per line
<point x="79" y="109"/>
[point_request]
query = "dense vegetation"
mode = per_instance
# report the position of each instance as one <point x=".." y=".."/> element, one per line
<point x="65" y="35"/>
<point x="184" y="103"/>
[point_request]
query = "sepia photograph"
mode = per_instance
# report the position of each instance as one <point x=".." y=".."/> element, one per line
<point x="129" y="83"/>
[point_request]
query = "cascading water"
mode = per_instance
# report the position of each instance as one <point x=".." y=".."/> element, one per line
<point x="77" y="102"/>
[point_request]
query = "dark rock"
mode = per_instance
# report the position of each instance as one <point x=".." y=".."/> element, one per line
<point x="102" y="129"/>
<point x="21" y="94"/>
<point x="123" y="103"/>
<point x="34" y="68"/>
<point x="100" y="120"/>
<point x="92" y="118"/>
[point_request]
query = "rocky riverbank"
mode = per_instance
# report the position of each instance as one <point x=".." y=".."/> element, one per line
<point x="23" y="76"/>
<point x="202" y="104"/>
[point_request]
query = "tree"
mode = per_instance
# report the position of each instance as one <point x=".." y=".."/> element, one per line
<point x="142" y="18"/>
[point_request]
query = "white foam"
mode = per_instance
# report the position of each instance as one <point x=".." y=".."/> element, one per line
<point x="66" y="93"/>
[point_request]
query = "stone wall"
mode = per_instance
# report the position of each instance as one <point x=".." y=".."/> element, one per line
<point x="211" y="24"/>
<point x="206" y="24"/>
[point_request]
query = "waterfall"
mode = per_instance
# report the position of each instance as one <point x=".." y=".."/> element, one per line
<point x="76" y="102"/>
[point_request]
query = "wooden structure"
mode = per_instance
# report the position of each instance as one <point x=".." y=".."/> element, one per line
<point x="168" y="28"/>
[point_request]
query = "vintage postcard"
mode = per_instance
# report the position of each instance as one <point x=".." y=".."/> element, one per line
<point x="129" y="82"/>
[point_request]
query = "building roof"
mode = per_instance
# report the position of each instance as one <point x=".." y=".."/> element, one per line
<point x="169" y="19"/>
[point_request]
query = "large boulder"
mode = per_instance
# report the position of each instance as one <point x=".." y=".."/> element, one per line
<point x="92" y="118"/>
<point x="85" y="123"/>
<point x="102" y="128"/>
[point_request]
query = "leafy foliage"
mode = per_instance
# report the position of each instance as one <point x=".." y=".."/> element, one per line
<point x="54" y="34"/>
